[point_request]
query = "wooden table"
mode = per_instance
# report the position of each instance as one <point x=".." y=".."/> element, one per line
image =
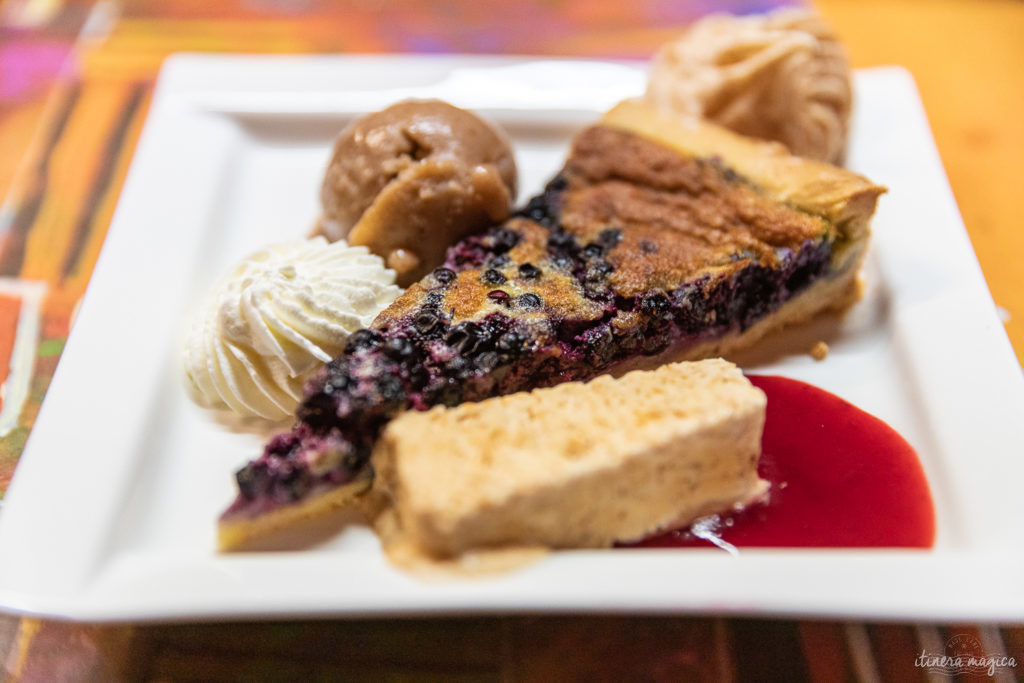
<point x="966" y="57"/>
<point x="71" y="107"/>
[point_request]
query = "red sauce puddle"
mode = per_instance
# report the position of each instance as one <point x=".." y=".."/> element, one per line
<point x="840" y="478"/>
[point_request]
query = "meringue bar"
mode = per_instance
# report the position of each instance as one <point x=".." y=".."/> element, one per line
<point x="276" y="318"/>
<point x="573" y="466"/>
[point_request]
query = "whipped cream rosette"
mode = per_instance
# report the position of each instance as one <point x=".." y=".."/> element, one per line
<point x="278" y="316"/>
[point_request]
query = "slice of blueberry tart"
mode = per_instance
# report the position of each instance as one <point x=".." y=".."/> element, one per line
<point x="657" y="241"/>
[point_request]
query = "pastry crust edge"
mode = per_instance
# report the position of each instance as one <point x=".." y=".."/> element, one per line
<point x="836" y="293"/>
<point x="233" y="533"/>
<point x="844" y="198"/>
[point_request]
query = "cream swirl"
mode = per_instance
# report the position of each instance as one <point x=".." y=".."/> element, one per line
<point x="278" y="316"/>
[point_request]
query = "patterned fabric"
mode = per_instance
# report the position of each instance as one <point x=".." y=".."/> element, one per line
<point x="75" y="80"/>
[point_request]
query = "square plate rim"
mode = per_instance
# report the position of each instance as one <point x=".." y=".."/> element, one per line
<point x="85" y="600"/>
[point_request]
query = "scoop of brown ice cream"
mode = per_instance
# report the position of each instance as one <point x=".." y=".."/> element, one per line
<point x="410" y="180"/>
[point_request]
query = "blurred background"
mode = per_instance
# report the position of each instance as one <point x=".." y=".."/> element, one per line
<point x="75" y="81"/>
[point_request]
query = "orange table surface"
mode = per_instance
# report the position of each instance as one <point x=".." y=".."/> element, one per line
<point x="966" y="56"/>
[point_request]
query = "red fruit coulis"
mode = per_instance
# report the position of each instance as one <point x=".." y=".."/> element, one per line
<point x="840" y="478"/>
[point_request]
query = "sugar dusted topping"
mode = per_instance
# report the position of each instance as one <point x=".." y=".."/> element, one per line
<point x="682" y="215"/>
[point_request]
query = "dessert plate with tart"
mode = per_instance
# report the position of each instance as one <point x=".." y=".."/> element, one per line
<point x="112" y="508"/>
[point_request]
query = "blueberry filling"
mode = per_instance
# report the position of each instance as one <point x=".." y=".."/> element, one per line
<point x="444" y="276"/>
<point x="493" y="277"/>
<point x="476" y="250"/>
<point x="414" y="365"/>
<point x="362" y="339"/>
<point x="499" y="261"/>
<point x="529" y="271"/>
<point x="529" y="301"/>
<point x="425" y="356"/>
<point x="427" y="322"/>
<point x="544" y="209"/>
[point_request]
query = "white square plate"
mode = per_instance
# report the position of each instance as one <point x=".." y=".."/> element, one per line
<point x="111" y="513"/>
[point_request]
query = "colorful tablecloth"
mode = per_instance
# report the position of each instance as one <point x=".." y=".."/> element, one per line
<point x="75" y="81"/>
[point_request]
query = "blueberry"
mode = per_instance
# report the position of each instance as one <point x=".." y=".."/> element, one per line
<point x="390" y="388"/>
<point x="398" y="348"/>
<point x="459" y="366"/>
<point x="529" y="301"/>
<point x="339" y="380"/>
<point x="609" y="238"/>
<point x="464" y="337"/>
<point x="498" y="295"/>
<point x="252" y="480"/>
<point x="488" y="360"/>
<point x="493" y="277"/>
<point x="444" y="276"/>
<point x="599" y="269"/>
<point x="598" y="344"/>
<point x="283" y="445"/>
<point x="562" y="260"/>
<point x="336" y="378"/>
<point x="295" y="484"/>
<point x="593" y="250"/>
<point x="562" y="241"/>
<point x="597" y="290"/>
<point x="362" y="339"/>
<point x="657" y="306"/>
<point x="338" y="364"/>
<point x="505" y="240"/>
<point x="557" y="184"/>
<point x="510" y="342"/>
<point x="318" y="411"/>
<point x="648" y="247"/>
<point x="529" y="271"/>
<point x="416" y="376"/>
<point x="537" y="213"/>
<point x="426" y="321"/>
<point x="490" y="328"/>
